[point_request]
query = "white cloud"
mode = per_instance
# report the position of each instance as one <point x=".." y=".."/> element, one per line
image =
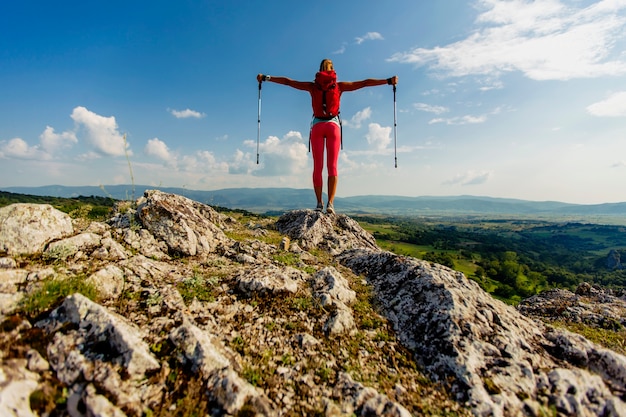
<point x="281" y="157"/>
<point x="277" y="157"/>
<point x="490" y="83"/>
<point x="545" y="40"/>
<point x="51" y="141"/>
<point x="369" y="36"/>
<point x="612" y="106"/>
<point x="358" y="118"/>
<point x="430" y="108"/>
<point x="241" y="163"/>
<point x="186" y="114"/>
<point x="461" y="120"/>
<point x="340" y="50"/>
<point x="470" y="178"/>
<point x="157" y="148"/>
<point x="378" y="137"/>
<point x="200" y="162"/>
<point x="619" y="164"/>
<point x="101" y="131"/>
<point x="88" y="156"/>
<point x="18" y="148"/>
<point x="207" y="158"/>
<point x="188" y="163"/>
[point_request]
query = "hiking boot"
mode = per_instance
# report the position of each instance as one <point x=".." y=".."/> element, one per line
<point x="330" y="209"/>
<point x="320" y="207"/>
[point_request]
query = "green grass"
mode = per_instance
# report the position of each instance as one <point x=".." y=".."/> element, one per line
<point x="197" y="287"/>
<point x="420" y="251"/>
<point x="301" y="303"/>
<point x="53" y="291"/>
<point x="287" y="258"/>
<point x="253" y="375"/>
<point x="610" y="339"/>
<point x="238" y="344"/>
<point x="465" y="266"/>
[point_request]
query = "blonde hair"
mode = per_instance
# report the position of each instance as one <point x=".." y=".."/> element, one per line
<point x="323" y="64"/>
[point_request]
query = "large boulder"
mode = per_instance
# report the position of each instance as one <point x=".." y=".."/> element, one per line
<point x="334" y="233"/>
<point x="26" y="229"/>
<point x="186" y="226"/>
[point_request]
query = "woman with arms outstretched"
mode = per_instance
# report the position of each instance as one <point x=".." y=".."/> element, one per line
<point x="326" y="125"/>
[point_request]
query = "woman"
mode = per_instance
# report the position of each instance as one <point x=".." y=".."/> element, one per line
<point x="325" y="97"/>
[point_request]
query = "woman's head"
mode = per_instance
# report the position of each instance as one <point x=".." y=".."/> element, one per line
<point x="326" y="65"/>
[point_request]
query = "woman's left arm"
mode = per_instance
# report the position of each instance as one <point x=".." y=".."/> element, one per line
<point x="370" y="82"/>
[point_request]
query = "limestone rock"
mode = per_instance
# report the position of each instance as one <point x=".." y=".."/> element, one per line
<point x="109" y="281"/>
<point x="110" y="250"/>
<point x="16" y="385"/>
<point x="28" y="228"/>
<point x="228" y="389"/>
<point x="333" y="290"/>
<point x="10" y="280"/>
<point x="7" y="263"/>
<point x="270" y="279"/>
<point x="493" y="357"/>
<point x="341" y="321"/>
<point x="93" y="403"/>
<point x="186" y="226"/>
<point x="143" y="241"/>
<point x="365" y="401"/>
<point x="70" y="246"/>
<point x="331" y="286"/>
<point x="97" y="325"/>
<point x="316" y="230"/>
<point x="587" y="305"/>
<point x="579" y="351"/>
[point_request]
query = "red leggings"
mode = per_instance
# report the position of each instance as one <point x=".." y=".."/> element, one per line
<point x="332" y="133"/>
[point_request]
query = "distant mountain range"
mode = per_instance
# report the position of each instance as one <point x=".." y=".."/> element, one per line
<point x="278" y="200"/>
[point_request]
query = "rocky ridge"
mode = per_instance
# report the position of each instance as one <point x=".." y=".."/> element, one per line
<point x="193" y="310"/>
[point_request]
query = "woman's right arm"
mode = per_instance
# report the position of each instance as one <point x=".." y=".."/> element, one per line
<point x="300" y="85"/>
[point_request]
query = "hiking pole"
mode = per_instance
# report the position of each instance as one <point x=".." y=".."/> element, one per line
<point x="395" y="125"/>
<point x="258" y="133"/>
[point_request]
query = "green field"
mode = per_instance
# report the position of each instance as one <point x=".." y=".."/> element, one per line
<point x="510" y="258"/>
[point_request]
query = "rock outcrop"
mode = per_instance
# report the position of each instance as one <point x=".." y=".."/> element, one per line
<point x="589" y="304"/>
<point x="315" y="230"/>
<point x="195" y="311"/>
<point x="27" y="228"/>
<point x="496" y="360"/>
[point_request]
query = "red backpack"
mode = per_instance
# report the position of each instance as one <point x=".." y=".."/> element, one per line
<point x="325" y="95"/>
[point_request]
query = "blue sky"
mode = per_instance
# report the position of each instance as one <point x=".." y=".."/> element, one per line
<point x="516" y="99"/>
